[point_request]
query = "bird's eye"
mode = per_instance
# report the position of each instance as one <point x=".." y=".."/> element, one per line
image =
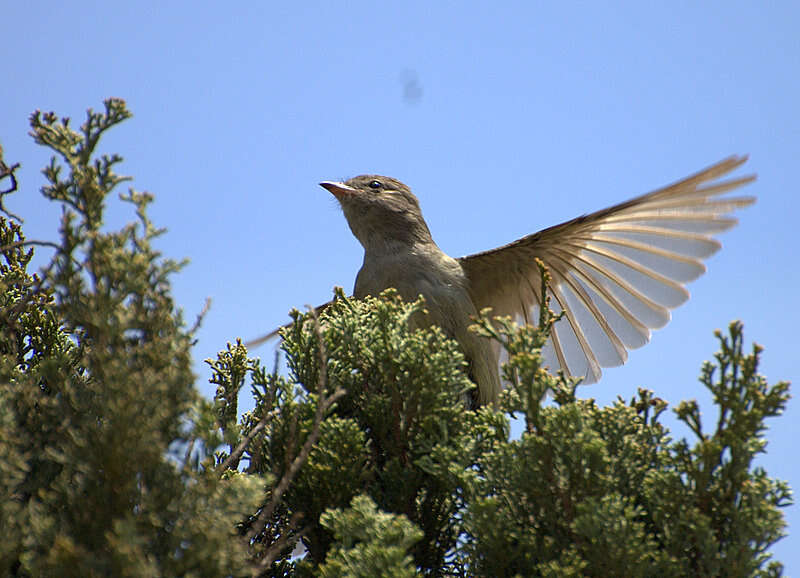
<point x="375" y="185"/>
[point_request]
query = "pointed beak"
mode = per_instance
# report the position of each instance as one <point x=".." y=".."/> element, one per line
<point x="338" y="190"/>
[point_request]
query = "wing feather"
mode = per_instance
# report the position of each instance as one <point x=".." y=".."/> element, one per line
<point x="617" y="272"/>
<point x="616" y="304"/>
<point x="598" y="340"/>
<point x="587" y="301"/>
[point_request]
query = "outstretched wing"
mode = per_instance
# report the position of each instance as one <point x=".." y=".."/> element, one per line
<point x="616" y="272"/>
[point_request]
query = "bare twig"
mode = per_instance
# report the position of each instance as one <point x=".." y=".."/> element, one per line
<point x="322" y="383"/>
<point x="200" y="316"/>
<point x="324" y="403"/>
<point x="51" y="244"/>
<point x="278" y="545"/>
<point x="10" y="246"/>
<point x="6" y="171"/>
<point x="253" y="343"/>
<point x="237" y="453"/>
<point x="188" y="456"/>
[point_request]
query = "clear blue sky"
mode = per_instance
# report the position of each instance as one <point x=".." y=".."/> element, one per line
<point x="503" y="118"/>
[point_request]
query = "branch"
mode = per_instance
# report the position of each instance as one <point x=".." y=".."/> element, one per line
<point x="10" y="246"/>
<point x="278" y="545"/>
<point x="6" y="171"/>
<point x="200" y="316"/>
<point x="188" y="456"/>
<point x="237" y="453"/>
<point x="324" y="403"/>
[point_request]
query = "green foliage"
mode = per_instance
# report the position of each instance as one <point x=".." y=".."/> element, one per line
<point x="412" y="448"/>
<point x="585" y="490"/>
<point x="368" y="542"/>
<point x="605" y="492"/>
<point x="365" y="454"/>
<point x="96" y="387"/>
<point x="405" y="392"/>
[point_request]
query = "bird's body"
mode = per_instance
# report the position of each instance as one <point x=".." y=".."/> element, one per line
<point x="616" y="273"/>
<point x="424" y="269"/>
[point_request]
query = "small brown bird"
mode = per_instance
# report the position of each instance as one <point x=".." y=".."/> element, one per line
<point x="616" y="272"/>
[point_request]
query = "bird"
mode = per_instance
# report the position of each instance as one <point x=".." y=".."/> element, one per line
<point x="615" y="273"/>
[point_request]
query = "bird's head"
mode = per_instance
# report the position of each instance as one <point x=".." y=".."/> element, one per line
<point x="381" y="211"/>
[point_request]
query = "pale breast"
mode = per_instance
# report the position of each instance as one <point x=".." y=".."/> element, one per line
<point x="441" y="281"/>
<point x="438" y="278"/>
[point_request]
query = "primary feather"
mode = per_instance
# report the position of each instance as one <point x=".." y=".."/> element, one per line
<point x="616" y="273"/>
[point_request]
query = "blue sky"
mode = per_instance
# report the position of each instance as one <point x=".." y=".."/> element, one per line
<point x="504" y="119"/>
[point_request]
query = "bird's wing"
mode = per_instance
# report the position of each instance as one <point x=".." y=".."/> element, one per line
<point x="616" y="273"/>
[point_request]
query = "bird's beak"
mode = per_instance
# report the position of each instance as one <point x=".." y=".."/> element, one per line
<point x="338" y="190"/>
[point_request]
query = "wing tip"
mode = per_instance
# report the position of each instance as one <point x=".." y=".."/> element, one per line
<point x="731" y="162"/>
